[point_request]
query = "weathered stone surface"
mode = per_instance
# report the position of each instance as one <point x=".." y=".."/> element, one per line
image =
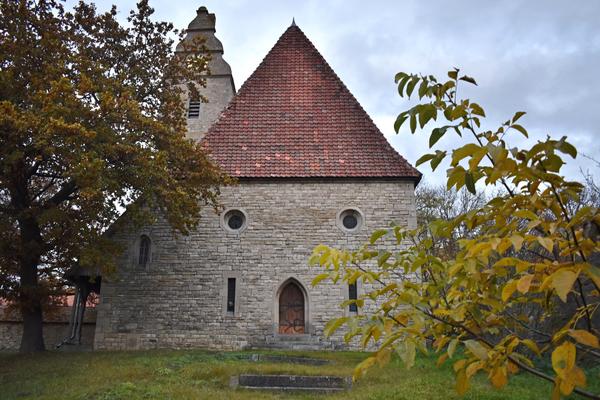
<point x="178" y="299"/>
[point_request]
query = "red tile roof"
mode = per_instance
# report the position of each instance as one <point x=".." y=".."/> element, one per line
<point x="295" y="118"/>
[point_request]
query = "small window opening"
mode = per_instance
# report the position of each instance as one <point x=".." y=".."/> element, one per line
<point x="231" y="295"/>
<point x="352" y="295"/>
<point x="235" y="220"/>
<point x="144" y="255"/>
<point x="350" y="221"/>
<point x="194" y="109"/>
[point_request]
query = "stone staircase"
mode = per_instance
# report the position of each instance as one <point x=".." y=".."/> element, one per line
<point x="298" y="342"/>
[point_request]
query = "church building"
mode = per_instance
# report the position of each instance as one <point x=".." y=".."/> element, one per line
<point x="312" y="168"/>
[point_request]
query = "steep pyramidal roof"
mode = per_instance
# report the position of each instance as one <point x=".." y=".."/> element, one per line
<point x="295" y="118"/>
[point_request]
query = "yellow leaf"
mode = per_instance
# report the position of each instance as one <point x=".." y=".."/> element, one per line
<point x="547" y="243"/>
<point x="452" y="347"/>
<point x="563" y="359"/>
<point x="512" y="367"/>
<point x="473" y="368"/>
<point x="407" y="352"/>
<point x="334" y="325"/>
<point x="594" y="274"/>
<point x="362" y="368"/>
<point x="585" y="337"/>
<point x="499" y="377"/>
<point x="524" y="283"/>
<point x="477" y="349"/>
<point x="556" y="389"/>
<point x="577" y="376"/>
<point x="517" y="241"/>
<point x="383" y="356"/>
<point x="508" y="290"/>
<point x="319" y="278"/>
<point x="462" y="382"/>
<point x="566" y="387"/>
<point x="562" y="282"/>
<point x="503" y="246"/>
<point x="531" y="345"/>
<point x="442" y="359"/>
<point x="460" y="364"/>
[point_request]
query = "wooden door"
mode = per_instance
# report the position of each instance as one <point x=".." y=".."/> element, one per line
<point x="291" y="310"/>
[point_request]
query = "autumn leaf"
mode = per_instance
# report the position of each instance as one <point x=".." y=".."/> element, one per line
<point x="508" y="290"/>
<point x="563" y="359"/>
<point x="477" y="349"/>
<point x="499" y="377"/>
<point x="462" y="382"/>
<point x="524" y="283"/>
<point x="585" y="337"/>
<point x="562" y="282"/>
<point x="547" y="243"/>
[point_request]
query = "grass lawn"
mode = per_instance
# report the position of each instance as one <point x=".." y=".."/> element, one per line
<point x="196" y="374"/>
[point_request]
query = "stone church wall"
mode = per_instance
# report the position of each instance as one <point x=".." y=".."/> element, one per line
<point x="178" y="299"/>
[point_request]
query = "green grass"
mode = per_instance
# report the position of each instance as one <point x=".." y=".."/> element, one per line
<point x="195" y="374"/>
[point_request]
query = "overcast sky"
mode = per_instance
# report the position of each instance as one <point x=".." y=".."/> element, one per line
<point x="541" y="57"/>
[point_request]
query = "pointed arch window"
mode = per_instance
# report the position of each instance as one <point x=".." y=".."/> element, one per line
<point x="144" y="253"/>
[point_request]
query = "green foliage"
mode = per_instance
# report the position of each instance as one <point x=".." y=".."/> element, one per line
<point x="91" y="121"/>
<point x="526" y="246"/>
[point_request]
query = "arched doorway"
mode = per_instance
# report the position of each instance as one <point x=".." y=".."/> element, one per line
<point x="291" y="309"/>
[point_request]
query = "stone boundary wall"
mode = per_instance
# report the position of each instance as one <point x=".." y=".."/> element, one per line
<point x="56" y="327"/>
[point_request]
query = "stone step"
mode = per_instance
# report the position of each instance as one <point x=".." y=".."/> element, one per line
<point x="273" y="358"/>
<point x="297" y="346"/>
<point x="293" y="338"/>
<point x="302" y="342"/>
<point x="291" y="382"/>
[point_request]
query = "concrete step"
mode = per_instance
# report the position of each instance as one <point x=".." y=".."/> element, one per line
<point x="297" y="346"/>
<point x="292" y="382"/>
<point x="273" y="358"/>
<point x="297" y="342"/>
<point x="293" y="338"/>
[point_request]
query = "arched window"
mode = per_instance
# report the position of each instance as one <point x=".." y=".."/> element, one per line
<point x="144" y="256"/>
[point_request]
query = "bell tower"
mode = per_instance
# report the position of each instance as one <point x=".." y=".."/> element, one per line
<point x="219" y="89"/>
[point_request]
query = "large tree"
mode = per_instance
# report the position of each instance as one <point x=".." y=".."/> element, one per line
<point x="91" y="122"/>
<point x="531" y="246"/>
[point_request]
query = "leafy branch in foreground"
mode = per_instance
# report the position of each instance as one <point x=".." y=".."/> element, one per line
<point x="528" y="248"/>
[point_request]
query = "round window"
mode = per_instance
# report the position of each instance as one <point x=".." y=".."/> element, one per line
<point x="350" y="220"/>
<point x="234" y="220"/>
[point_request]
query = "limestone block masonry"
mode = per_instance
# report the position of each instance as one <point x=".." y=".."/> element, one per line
<point x="178" y="299"/>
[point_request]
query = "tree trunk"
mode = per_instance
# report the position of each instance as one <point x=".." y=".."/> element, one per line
<point x="30" y="294"/>
<point x="33" y="334"/>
